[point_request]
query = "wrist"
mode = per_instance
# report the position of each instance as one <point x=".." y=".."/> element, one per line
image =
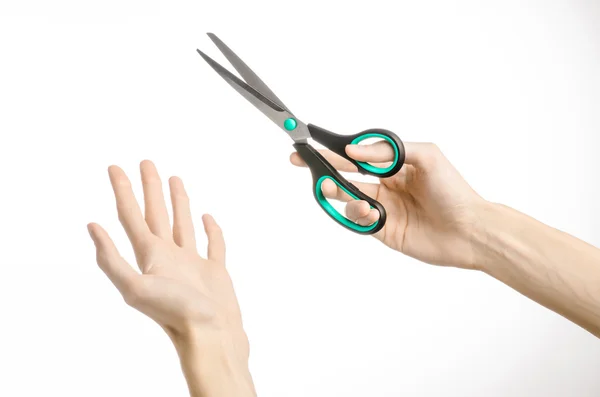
<point x="215" y="362"/>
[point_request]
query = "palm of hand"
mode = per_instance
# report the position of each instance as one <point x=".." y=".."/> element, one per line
<point x="179" y="289"/>
<point x="428" y="215"/>
<point x="180" y="286"/>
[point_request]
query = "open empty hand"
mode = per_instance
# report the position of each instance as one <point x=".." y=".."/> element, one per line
<point x="177" y="287"/>
<point x="190" y="296"/>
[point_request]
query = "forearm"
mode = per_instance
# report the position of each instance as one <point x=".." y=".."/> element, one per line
<point x="217" y="368"/>
<point x="547" y="265"/>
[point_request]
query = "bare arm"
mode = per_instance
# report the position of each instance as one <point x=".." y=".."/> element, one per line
<point x="436" y="217"/>
<point x="551" y="267"/>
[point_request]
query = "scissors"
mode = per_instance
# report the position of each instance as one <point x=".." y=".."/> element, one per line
<point x="257" y="93"/>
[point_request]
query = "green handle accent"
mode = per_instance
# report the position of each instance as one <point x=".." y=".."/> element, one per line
<point x="333" y="212"/>
<point x="372" y="168"/>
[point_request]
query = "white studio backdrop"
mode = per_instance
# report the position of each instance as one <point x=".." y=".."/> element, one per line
<point x="510" y="90"/>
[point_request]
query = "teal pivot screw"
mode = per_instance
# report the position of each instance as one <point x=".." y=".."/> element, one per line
<point x="290" y="124"/>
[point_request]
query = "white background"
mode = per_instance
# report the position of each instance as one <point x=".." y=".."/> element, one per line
<point x="510" y="90"/>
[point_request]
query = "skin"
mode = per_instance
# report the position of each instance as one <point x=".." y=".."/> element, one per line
<point x="436" y="217"/>
<point x="430" y="208"/>
<point x="433" y="216"/>
<point x="190" y="296"/>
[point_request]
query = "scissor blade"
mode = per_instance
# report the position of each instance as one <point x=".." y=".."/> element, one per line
<point x="247" y="74"/>
<point x="264" y="104"/>
<point x="273" y="111"/>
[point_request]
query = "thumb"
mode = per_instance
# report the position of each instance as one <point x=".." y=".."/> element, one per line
<point x="120" y="273"/>
<point x="421" y="155"/>
<point x="378" y="152"/>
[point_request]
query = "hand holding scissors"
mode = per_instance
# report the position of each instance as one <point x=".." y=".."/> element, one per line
<point x="257" y="93"/>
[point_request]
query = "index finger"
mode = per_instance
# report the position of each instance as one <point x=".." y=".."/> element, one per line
<point x="128" y="209"/>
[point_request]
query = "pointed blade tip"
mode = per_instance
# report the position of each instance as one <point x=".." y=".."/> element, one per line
<point x="213" y="37"/>
<point x="203" y="55"/>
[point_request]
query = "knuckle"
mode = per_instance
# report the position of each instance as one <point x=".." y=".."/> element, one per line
<point x="182" y="197"/>
<point x="134" y="293"/>
<point x="124" y="211"/>
<point x="432" y="154"/>
<point x="101" y="258"/>
<point x="432" y="148"/>
<point x="123" y="183"/>
<point x="154" y="181"/>
<point x="144" y="251"/>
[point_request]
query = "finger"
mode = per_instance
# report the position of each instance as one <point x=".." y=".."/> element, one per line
<point x="183" y="227"/>
<point x="419" y="154"/>
<point x="332" y="191"/>
<point x="357" y="209"/>
<point x="371" y="218"/>
<point x="128" y="209"/>
<point x="120" y="273"/>
<point x="157" y="216"/>
<point x="361" y="212"/>
<point x="338" y="162"/>
<point x="375" y="153"/>
<point x="216" y="242"/>
<point x="422" y="154"/>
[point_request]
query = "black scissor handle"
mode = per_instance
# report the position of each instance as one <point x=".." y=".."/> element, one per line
<point x="322" y="170"/>
<point x="337" y="143"/>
